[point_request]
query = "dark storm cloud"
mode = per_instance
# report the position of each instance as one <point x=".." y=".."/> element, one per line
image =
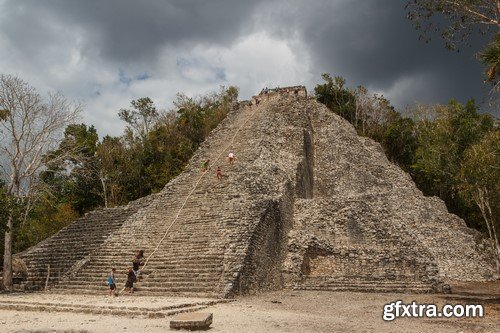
<point x="129" y="30"/>
<point x="371" y="43"/>
<point x="107" y="46"/>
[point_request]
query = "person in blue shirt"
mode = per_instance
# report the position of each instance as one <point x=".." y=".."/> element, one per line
<point x="112" y="282"/>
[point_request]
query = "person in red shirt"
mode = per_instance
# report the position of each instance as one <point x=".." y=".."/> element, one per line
<point x="219" y="173"/>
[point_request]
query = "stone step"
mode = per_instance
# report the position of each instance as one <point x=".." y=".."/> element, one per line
<point x="103" y="290"/>
<point x="362" y="279"/>
<point x="369" y="289"/>
<point x="173" y="272"/>
<point x="99" y="310"/>
<point x="195" y="291"/>
<point x="181" y="272"/>
<point x="365" y="286"/>
<point x="214" y="276"/>
<point x="146" y="282"/>
<point x="171" y="258"/>
<point x="167" y="258"/>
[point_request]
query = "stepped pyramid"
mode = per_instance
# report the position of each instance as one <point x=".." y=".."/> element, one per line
<point x="308" y="204"/>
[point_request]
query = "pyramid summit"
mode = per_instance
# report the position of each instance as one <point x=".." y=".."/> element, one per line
<point x="308" y="204"/>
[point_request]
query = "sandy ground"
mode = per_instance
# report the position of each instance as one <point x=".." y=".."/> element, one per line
<point x="285" y="311"/>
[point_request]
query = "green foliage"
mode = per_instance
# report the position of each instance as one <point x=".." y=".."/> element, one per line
<point x="8" y="205"/>
<point x="73" y="171"/>
<point x="442" y="142"/>
<point x="372" y="116"/>
<point x="4" y="212"/>
<point x="479" y="176"/>
<point x="46" y="219"/>
<point x="3" y="114"/>
<point x="141" y="118"/>
<point x="490" y="56"/>
<point x="3" y="200"/>
<point x="399" y="140"/>
<point x="336" y="96"/>
<point x="456" y="21"/>
<point x="180" y="132"/>
<point x="481" y="166"/>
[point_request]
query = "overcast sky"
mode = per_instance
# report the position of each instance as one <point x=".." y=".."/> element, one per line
<point x="108" y="52"/>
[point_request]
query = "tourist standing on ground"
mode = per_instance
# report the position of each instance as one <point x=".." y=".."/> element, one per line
<point x="112" y="282"/>
<point x="131" y="278"/>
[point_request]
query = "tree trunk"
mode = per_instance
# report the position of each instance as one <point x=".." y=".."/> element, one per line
<point x="7" y="256"/>
<point x="481" y="202"/>
<point x="104" y="190"/>
<point x="492" y="221"/>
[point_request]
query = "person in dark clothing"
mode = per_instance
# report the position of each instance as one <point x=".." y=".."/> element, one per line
<point x="131" y="278"/>
<point x="138" y="262"/>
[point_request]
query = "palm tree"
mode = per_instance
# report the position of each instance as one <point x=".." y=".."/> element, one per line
<point x="490" y="56"/>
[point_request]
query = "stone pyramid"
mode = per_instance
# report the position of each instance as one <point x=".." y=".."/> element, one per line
<point x="308" y="204"/>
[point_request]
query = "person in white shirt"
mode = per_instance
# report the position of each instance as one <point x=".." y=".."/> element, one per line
<point x="231" y="158"/>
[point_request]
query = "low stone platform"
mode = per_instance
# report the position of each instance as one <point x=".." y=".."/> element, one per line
<point x="125" y="305"/>
<point x="192" y="321"/>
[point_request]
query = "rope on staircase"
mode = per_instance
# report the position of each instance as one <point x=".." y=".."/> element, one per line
<point x="194" y="188"/>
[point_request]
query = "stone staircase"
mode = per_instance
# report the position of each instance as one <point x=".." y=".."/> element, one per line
<point x="206" y="252"/>
<point x="189" y="261"/>
<point x="55" y="255"/>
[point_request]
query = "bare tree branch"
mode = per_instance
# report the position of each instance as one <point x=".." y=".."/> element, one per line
<point x="30" y="129"/>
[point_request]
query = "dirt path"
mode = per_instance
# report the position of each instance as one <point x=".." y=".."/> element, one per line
<point x="286" y="311"/>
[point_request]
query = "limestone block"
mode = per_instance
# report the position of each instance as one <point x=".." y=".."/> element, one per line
<point x="192" y="321"/>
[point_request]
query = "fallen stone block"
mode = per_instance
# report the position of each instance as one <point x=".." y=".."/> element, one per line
<point x="192" y="321"/>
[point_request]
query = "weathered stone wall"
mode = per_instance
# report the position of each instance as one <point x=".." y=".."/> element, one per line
<point x="367" y="220"/>
<point x="266" y="252"/>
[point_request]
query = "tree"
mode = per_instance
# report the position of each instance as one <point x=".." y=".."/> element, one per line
<point x="480" y="182"/>
<point x="490" y="57"/>
<point x="74" y="169"/>
<point x="442" y="142"/>
<point x="4" y="211"/>
<point x="32" y="126"/>
<point x="337" y="97"/>
<point x="121" y="171"/>
<point x="141" y="118"/>
<point x="398" y="139"/>
<point x="371" y="113"/>
<point x="462" y="17"/>
<point x="442" y="139"/>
